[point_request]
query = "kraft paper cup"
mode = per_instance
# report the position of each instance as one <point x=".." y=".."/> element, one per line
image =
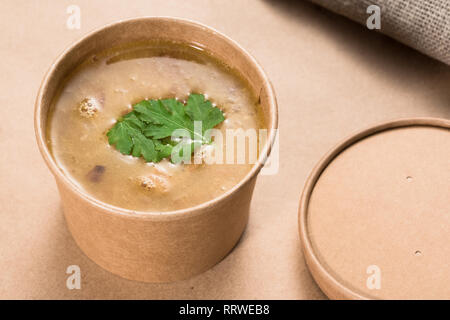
<point x="156" y="246"/>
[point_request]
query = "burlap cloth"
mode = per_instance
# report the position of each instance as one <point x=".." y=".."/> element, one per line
<point x="421" y="24"/>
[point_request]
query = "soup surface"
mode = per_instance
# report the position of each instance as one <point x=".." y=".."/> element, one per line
<point x="106" y="86"/>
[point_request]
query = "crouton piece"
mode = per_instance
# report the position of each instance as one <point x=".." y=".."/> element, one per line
<point x="153" y="182"/>
<point x="89" y="107"/>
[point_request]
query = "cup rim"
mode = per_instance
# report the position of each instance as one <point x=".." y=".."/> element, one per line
<point x="158" y="215"/>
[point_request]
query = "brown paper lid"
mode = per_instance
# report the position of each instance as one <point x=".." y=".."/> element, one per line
<point x="375" y="214"/>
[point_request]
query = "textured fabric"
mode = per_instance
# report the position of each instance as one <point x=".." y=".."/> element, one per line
<point x="421" y="24"/>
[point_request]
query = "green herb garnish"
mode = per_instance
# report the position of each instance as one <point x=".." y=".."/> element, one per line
<point x="146" y="131"/>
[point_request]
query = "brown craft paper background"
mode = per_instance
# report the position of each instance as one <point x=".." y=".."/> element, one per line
<point x="332" y="78"/>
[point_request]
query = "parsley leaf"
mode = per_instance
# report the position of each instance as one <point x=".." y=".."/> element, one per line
<point x="200" y="109"/>
<point x="130" y="140"/>
<point x="145" y="131"/>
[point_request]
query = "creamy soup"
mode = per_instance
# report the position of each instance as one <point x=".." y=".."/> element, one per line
<point x="106" y="86"/>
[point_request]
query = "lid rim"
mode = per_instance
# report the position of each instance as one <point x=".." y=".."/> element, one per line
<point x="331" y="286"/>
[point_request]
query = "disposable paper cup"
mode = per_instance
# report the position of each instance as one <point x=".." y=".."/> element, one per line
<point x="156" y="246"/>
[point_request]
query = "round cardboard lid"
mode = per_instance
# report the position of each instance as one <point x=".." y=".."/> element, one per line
<point x="374" y="216"/>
